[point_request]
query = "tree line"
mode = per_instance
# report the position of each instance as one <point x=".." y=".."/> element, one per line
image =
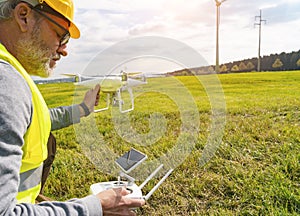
<point x="274" y="62"/>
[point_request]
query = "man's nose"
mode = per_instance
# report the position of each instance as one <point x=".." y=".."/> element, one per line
<point x="62" y="50"/>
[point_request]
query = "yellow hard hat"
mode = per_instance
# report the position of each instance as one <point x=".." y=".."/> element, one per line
<point x="65" y="8"/>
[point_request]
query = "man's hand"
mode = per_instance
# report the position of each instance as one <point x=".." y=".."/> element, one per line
<point x="115" y="202"/>
<point x="91" y="99"/>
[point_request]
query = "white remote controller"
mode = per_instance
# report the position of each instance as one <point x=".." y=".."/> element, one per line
<point x="135" y="191"/>
<point x="127" y="162"/>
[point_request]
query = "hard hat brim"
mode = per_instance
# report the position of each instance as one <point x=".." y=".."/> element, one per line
<point x="74" y="31"/>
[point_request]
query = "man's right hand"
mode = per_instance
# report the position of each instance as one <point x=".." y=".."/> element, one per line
<point x="115" y="202"/>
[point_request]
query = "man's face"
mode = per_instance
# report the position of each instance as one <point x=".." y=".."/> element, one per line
<point x="39" y="51"/>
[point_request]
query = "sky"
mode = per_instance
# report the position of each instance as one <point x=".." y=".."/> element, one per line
<point x="104" y="24"/>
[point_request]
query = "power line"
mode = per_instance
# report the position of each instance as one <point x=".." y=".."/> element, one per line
<point x="260" y="21"/>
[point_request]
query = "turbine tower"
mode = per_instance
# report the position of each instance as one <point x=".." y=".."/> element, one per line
<point x="218" y="4"/>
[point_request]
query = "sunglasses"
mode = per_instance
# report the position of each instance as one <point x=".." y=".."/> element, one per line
<point x="64" y="38"/>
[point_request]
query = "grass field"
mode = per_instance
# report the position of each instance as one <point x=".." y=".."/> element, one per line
<point x="255" y="171"/>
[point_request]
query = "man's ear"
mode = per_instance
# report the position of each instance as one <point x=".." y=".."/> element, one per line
<point x="23" y="16"/>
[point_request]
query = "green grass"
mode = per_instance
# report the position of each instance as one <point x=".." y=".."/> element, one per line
<point x="255" y="171"/>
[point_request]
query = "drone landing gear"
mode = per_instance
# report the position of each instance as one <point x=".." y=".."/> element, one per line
<point x="118" y="101"/>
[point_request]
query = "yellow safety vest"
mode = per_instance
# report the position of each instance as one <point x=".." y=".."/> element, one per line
<point x="35" y="139"/>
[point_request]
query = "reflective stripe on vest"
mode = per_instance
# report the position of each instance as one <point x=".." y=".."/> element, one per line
<point x="35" y="139"/>
<point x="30" y="178"/>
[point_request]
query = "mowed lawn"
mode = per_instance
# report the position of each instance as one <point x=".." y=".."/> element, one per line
<point x="255" y="171"/>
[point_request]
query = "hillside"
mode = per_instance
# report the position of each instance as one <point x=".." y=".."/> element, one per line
<point x="275" y="62"/>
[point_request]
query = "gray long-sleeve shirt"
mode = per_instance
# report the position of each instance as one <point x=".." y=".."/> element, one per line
<point x="15" y="118"/>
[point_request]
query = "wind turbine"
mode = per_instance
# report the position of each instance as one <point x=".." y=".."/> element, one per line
<point x="218" y="4"/>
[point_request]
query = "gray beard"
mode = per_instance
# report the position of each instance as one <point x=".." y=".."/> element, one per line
<point x="33" y="54"/>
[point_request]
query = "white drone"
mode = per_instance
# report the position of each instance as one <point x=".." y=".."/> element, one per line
<point x="113" y="86"/>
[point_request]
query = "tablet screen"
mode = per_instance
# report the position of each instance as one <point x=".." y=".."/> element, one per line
<point x="130" y="160"/>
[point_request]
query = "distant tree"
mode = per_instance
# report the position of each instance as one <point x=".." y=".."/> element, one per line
<point x="277" y="64"/>
<point x="224" y="69"/>
<point x="250" y="66"/>
<point x="242" y="67"/>
<point x="235" y="68"/>
<point x="211" y="69"/>
<point x="298" y="62"/>
<point x="202" y="71"/>
<point x="293" y="61"/>
<point x="185" y="73"/>
<point x="267" y="61"/>
<point x="284" y="60"/>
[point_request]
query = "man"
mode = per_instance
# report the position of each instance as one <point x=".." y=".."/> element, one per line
<point x="33" y="37"/>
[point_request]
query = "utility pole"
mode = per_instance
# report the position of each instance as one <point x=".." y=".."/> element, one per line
<point x="218" y="4"/>
<point x="260" y="20"/>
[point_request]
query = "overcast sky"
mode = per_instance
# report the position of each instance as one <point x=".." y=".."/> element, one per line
<point x="105" y="23"/>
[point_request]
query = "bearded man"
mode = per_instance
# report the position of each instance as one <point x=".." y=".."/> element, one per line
<point x="33" y="36"/>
